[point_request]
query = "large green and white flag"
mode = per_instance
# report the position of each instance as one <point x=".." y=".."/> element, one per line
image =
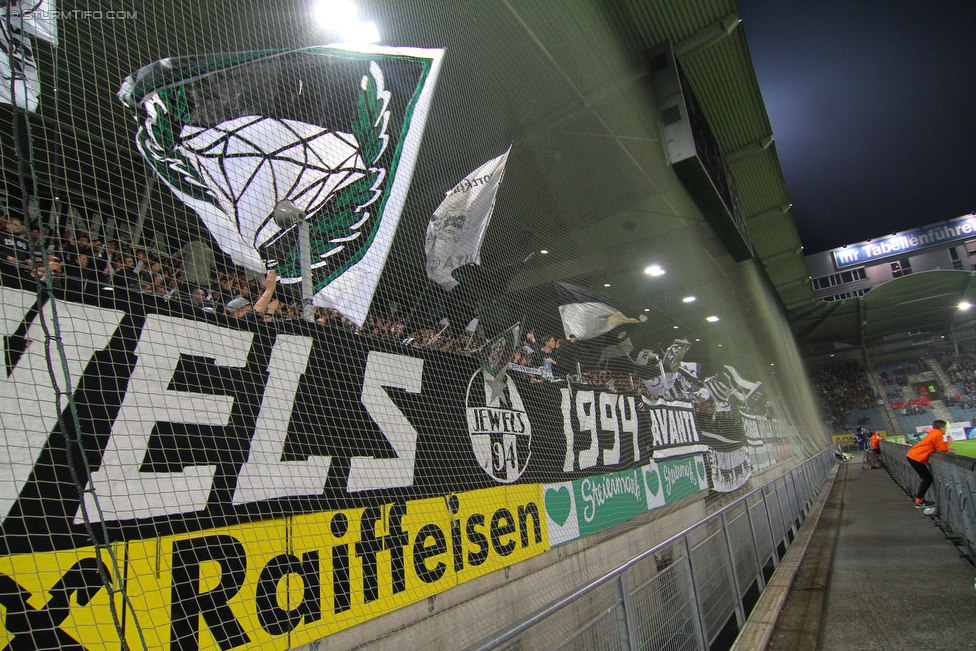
<point x="334" y="129"/>
<point x="457" y="228"/>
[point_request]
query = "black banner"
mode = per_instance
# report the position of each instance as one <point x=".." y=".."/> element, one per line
<point x="191" y="421"/>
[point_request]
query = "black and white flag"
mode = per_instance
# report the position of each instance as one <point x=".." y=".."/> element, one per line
<point x="19" y="83"/>
<point x="36" y="17"/>
<point x="19" y="20"/>
<point x="587" y="313"/>
<point x="457" y="228"/>
<point x="622" y="348"/>
<point x="334" y="129"/>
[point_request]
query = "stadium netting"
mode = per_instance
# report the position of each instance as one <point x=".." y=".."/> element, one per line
<point x="298" y="333"/>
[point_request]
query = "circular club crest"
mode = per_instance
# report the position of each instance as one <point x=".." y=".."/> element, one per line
<point x="501" y="434"/>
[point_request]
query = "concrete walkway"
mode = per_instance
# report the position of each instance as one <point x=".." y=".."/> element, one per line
<point x="877" y="575"/>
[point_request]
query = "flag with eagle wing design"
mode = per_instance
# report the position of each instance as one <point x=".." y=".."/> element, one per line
<point x="334" y="129"/>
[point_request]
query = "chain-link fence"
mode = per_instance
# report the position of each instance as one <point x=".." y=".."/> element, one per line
<point x="693" y="591"/>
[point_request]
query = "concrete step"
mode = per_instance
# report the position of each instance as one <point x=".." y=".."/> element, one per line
<point x="941" y="411"/>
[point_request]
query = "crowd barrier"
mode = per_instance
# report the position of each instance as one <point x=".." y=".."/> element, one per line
<point x="953" y="491"/>
<point x="692" y="591"/>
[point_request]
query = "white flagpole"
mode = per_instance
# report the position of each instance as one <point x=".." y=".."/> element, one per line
<point x="432" y="337"/>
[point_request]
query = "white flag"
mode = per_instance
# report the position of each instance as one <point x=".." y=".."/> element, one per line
<point x="457" y="228"/>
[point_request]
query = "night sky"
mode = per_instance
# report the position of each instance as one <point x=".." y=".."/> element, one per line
<point x="873" y="108"/>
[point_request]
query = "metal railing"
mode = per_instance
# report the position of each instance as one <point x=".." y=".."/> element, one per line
<point x="692" y="591"/>
<point x="953" y="491"/>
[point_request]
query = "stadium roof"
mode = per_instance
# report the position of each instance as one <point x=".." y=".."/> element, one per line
<point x="711" y="45"/>
<point x="922" y="305"/>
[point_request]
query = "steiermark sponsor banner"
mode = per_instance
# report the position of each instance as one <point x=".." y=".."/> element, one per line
<point x="605" y="500"/>
<point x="582" y="507"/>
<point x="668" y="481"/>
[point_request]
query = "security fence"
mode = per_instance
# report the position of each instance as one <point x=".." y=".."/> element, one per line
<point x="953" y="491"/>
<point x="693" y="591"/>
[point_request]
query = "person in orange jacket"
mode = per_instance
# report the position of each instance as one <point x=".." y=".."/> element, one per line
<point x="876" y="446"/>
<point x="918" y="458"/>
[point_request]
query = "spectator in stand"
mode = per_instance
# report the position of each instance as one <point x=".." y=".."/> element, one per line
<point x="105" y="259"/>
<point x="241" y="307"/>
<point x="534" y="354"/>
<point x="49" y="269"/>
<point x="568" y="356"/>
<point x="550" y="358"/>
<point x="14" y="247"/>
<point x="85" y="244"/>
<point x="198" y="299"/>
<point x="125" y="275"/>
<point x="81" y="275"/>
<point x="842" y="388"/>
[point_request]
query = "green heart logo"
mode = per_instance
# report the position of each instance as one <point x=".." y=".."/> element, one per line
<point x="653" y="481"/>
<point x="558" y="504"/>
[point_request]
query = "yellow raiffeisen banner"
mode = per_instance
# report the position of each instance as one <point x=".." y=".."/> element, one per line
<point x="273" y="584"/>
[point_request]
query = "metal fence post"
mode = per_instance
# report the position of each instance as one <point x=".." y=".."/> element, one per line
<point x="755" y="548"/>
<point x="626" y="618"/>
<point x="739" y="611"/>
<point x="796" y="500"/>
<point x="769" y="527"/>
<point x="782" y="515"/>
<point x="699" y="621"/>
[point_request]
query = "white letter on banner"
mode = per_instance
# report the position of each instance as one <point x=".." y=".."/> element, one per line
<point x="28" y="409"/>
<point x="401" y="372"/>
<point x="587" y="423"/>
<point x="567" y="406"/>
<point x="608" y="421"/>
<point x="124" y="491"/>
<point x="628" y="421"/>
<point x="265" y="476"/>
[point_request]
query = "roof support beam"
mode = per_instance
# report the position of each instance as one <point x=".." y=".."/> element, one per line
<point x="817" y="323"/>
<point x="708" y="36"/>
<point x="812" y="305"/>
<point x="785" y="255"/>
<point x="795" y="283"/>
<point x="862" y="324"/>
<point x="748" y="150"/>
<point x="769" y="214"/>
